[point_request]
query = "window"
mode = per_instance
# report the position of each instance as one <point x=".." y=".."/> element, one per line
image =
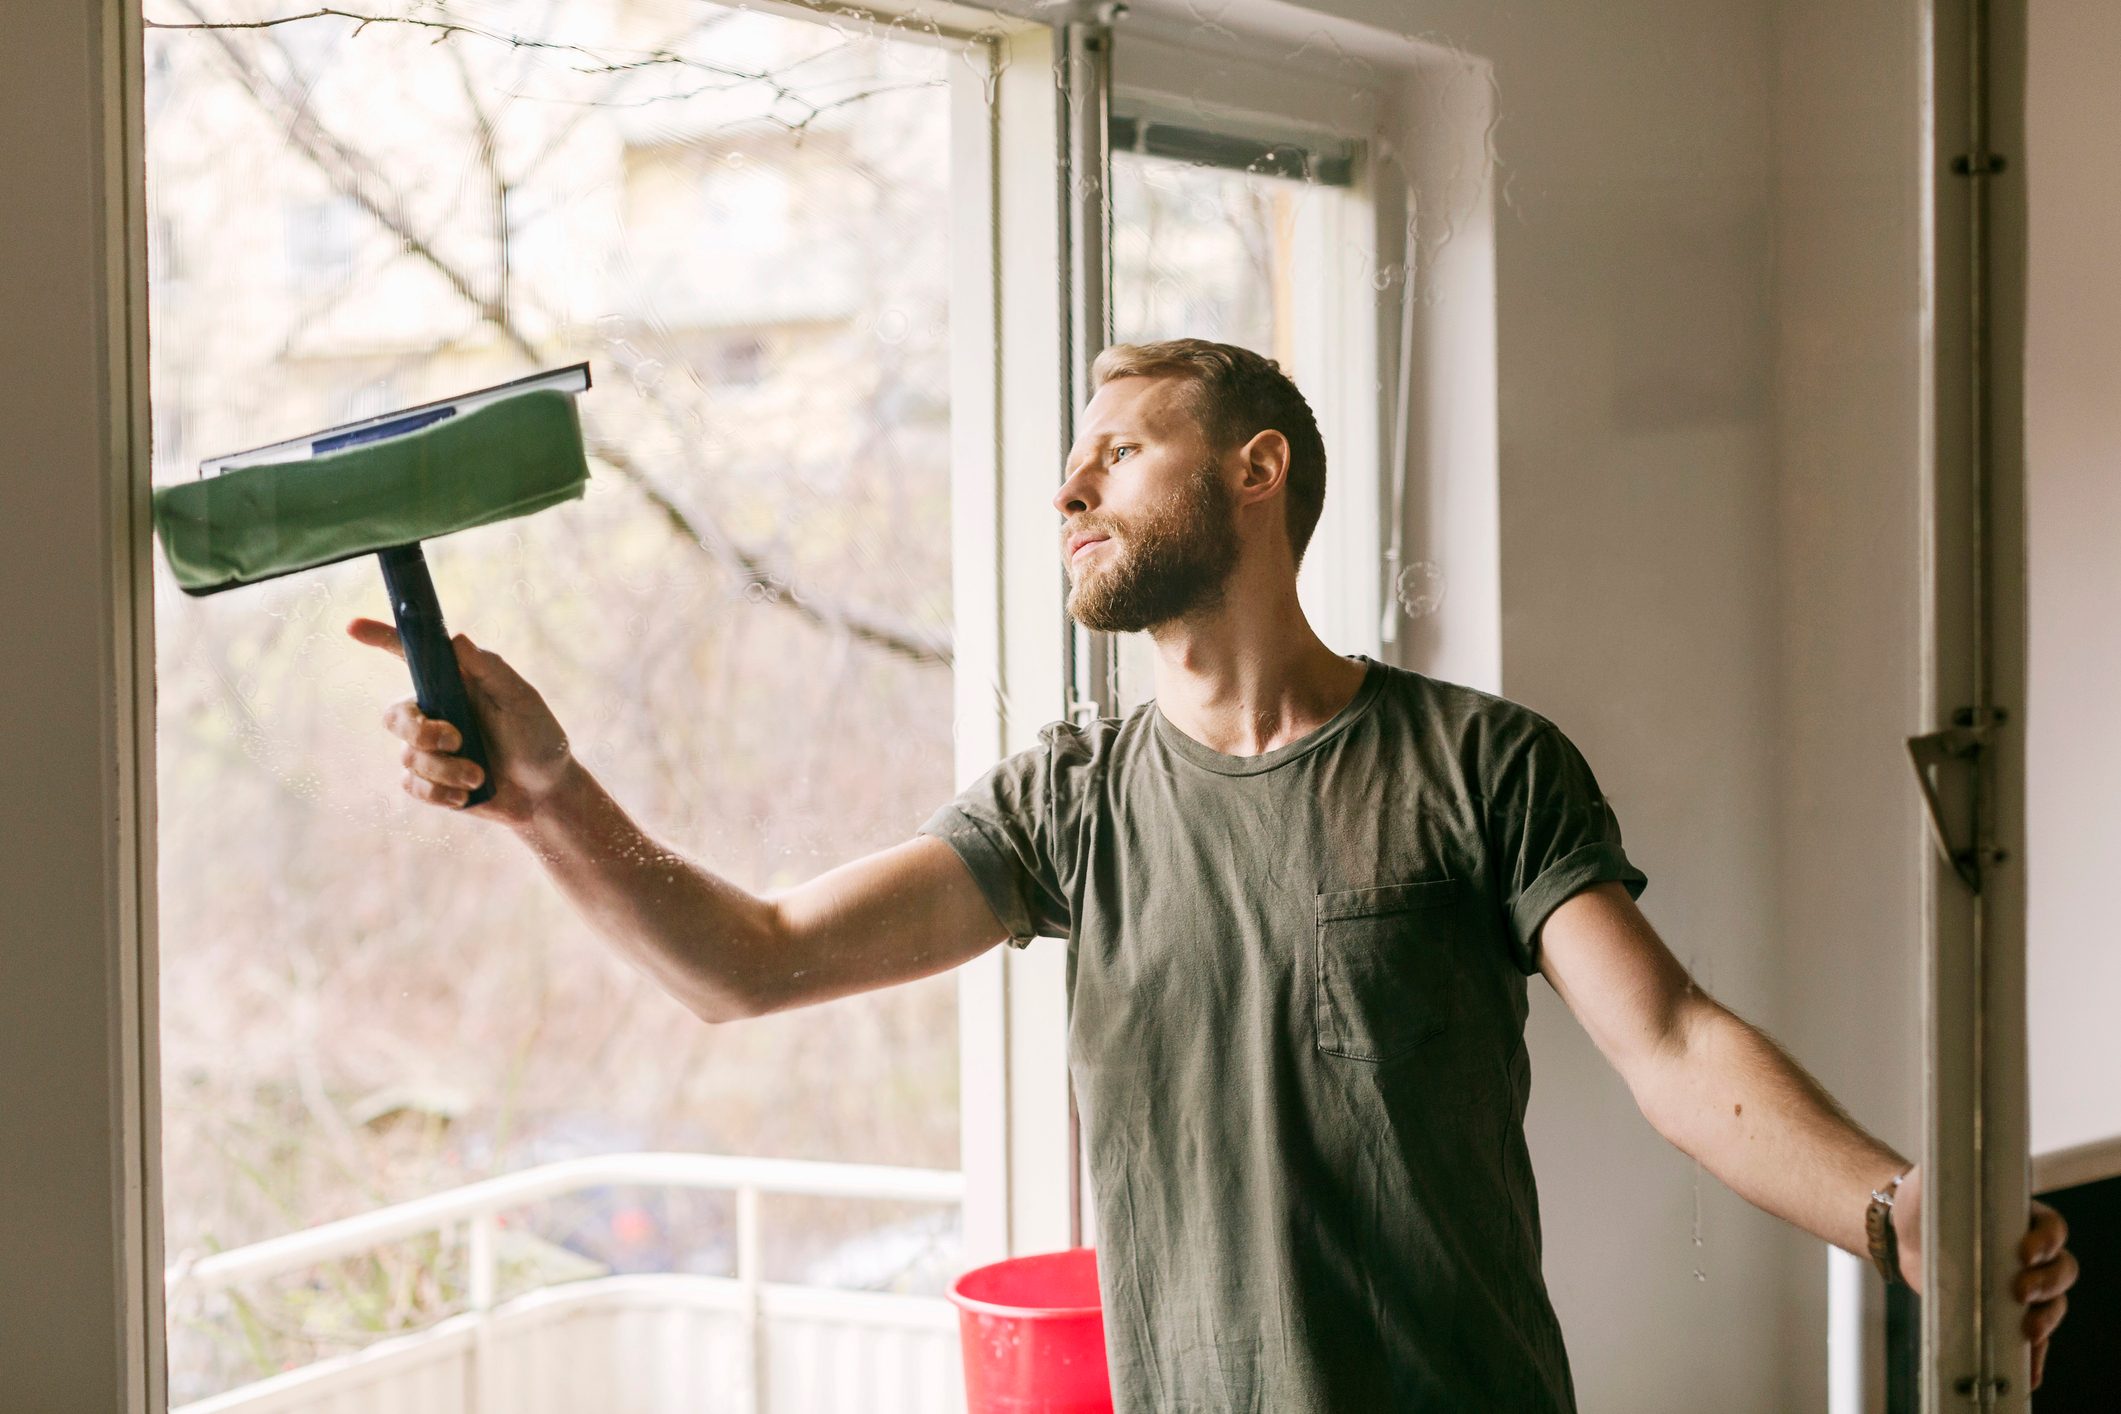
<point x="819" y="461"/>
<point x="1205" y="230"/>
<point x="755" y="628"/>
<point x="1203" y="250"/>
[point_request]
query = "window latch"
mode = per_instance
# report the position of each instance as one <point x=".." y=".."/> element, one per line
<point x="1960" y="744"/>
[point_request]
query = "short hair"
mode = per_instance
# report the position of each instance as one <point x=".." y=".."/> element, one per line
<point x="1237" y="394"/>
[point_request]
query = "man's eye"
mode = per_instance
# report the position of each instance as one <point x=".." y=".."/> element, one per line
<point x="1124" y="448"/>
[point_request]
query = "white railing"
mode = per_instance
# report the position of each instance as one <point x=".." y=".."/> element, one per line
<point x="475" y="1207"/>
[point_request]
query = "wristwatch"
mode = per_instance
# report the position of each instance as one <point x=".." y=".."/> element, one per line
<point x="1878" y="1226"/>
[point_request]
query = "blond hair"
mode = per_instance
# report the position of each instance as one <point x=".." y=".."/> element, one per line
<point x="1237" y="394"/>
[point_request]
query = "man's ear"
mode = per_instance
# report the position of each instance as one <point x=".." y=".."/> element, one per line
<point x="1266" y="462"/>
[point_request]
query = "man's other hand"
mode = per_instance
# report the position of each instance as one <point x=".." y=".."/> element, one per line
<point x="2046" y="1273"/>
<point x="2046" y="1267"/>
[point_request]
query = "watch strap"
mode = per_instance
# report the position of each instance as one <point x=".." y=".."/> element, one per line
<point x="1878" y="1227"/>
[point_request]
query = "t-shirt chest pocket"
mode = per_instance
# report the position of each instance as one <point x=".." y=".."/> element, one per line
<point x="1382" y="967"/>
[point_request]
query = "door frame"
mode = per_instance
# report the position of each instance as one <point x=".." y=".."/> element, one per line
<point x="1976" y="1166"/>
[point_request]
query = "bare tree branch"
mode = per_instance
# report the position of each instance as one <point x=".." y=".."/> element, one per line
<point x="878" y="630"/>
<point x="654" y="58"/>
<point x="445" y="28"/>
<point x="485" y="144"/>
<point x="353" y="175"/>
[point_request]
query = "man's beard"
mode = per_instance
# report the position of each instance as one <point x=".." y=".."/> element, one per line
<point x="1175" y="561"/>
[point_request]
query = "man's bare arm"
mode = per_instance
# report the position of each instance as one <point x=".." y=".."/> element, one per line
<point x="1714" y="1085"/>
<point x="905" y="912"/>
<point x="726" y="953"/>
<point x="1723" y="1092"/>
<point x="909" y="911"/>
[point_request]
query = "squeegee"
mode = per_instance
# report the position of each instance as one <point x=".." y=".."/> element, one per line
<point x="382" y="486"/>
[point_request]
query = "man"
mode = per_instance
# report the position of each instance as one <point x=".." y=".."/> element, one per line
<point x="1303" y="895"/>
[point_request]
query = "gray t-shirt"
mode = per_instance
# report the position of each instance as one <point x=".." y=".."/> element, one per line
<point x="1296" y="987"/>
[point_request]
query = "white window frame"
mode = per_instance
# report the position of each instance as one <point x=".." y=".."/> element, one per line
<point x="1008" y="441"/>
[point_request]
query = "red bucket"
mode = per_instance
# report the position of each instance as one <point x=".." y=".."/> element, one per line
<point x="1033" y="1336"/>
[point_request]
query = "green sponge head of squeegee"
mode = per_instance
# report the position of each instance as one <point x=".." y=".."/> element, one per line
<point x="506" y="459"/>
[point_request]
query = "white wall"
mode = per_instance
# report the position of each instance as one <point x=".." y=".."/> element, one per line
<point x="1638" y="610"/>
<point x="2073" y="473"/>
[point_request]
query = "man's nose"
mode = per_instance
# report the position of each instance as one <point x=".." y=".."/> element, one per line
<point x="1074" y="496"/>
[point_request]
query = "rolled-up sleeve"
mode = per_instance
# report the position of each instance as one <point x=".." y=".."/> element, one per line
<point x="1004" y="826"/>
<point x="1553" y="833"/>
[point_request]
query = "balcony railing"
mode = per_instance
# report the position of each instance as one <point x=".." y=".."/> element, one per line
<point x="480" y="1362"/>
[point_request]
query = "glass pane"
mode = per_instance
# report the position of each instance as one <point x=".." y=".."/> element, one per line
<point x="744" y="627"/>
<point x="1205" y="253"/>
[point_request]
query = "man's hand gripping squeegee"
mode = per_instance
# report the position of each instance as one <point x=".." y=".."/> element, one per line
<point x="381" y="486"/>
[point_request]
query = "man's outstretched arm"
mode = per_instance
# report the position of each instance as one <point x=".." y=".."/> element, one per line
<point x="1726" y="1094"/>
<point x="908" y="911"/>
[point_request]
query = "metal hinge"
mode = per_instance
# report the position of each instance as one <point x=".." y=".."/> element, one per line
<point x="1964" y="741"/>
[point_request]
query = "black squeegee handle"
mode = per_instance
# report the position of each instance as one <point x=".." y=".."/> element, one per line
<point x="436" y="683"/>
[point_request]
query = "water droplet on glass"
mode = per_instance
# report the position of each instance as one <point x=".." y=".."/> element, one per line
<point x="1420" y="589"/>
